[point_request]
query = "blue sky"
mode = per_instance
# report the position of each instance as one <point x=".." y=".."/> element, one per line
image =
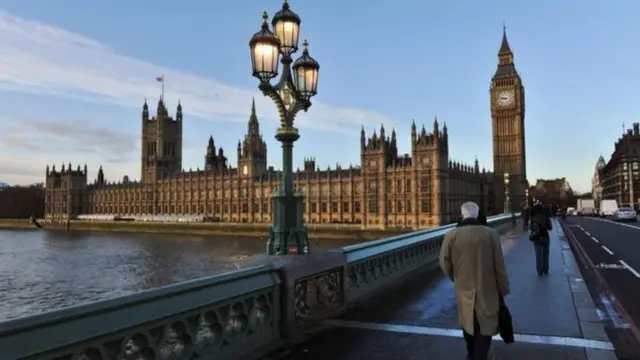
<point x="73" y="75"/>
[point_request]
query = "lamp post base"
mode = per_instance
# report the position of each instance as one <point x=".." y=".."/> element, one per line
<point x="288" y="234"/>
<point x="288" y="242"/>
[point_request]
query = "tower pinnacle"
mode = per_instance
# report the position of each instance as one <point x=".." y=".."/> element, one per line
<point x="253" y="106"/>
<point x="504" y="47"/>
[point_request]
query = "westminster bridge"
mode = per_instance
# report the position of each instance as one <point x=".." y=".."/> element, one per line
<point x="383" y="299"/>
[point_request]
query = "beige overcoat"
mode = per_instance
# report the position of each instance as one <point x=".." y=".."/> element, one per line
<point x="471" y="256"/>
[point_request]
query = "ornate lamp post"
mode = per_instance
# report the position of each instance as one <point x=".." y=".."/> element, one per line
<point x="288" y="234"/>
<point x="507" y="201"/>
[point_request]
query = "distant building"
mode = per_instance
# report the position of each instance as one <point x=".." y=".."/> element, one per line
<point x="620" y="177"/>
<point x="422" y="189"/>
<point x="552" y="192"/>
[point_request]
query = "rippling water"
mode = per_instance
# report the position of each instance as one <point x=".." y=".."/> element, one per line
<point x="45" y="270"/>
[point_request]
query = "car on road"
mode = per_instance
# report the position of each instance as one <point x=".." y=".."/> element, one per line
<point x="625" y="214"/>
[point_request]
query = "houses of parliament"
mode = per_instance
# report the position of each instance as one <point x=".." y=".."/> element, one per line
<point x="422" y="189"/>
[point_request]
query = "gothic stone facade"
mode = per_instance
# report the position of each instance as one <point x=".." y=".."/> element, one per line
<point x="422" y="189"/>
<point x="620" y="176"/>
<point x="507" y="113"/>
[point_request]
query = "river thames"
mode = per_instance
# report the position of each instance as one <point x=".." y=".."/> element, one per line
<point x="46" y="270"/>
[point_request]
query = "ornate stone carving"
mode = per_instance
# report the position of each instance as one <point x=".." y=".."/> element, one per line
<point x="367" y="274"/>
<point x="316" y="295"/>
<point x="216" y="331"/>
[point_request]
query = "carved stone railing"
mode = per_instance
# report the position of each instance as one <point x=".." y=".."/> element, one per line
<point x="220" y="317"/>
<point x="272" y="301"/>
<point x="374" y="265"/>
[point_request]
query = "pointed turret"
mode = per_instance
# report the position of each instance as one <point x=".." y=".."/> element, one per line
<point x="505" y="49"/>
<point x="161" y="110"/>
<point x="145" y="110"/>
<point x="100" y="175"/>
<point x="253" y="126"/>
<point x="179" y="112"/>
<point x="253" y="106"/>
<point x="505" y="57"/>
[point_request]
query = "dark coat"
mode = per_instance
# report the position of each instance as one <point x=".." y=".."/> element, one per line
<point x="471" y="256"/>
<point x="540" y="216"/>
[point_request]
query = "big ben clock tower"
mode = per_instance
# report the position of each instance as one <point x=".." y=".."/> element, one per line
<point x="507" y="114"/>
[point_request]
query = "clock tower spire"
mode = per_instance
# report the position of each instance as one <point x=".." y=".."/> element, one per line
<point x="507" y="102"/>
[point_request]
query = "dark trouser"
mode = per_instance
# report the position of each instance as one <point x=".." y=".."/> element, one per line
<point x="542" y="256"/>
<point x="477" y="344"/>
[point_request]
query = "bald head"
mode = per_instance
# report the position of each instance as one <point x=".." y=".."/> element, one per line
<point x="469" y="210"/>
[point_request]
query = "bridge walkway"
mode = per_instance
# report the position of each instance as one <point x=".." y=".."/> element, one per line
<point x="554" y="317"/>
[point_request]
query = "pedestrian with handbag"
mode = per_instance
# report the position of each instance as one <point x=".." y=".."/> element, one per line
<point x="539" y="234"/>
<point x="471" y="256"/>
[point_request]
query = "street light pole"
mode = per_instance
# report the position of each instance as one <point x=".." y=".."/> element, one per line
<point x="288" y="233"/>
<point x="507" y="201"/>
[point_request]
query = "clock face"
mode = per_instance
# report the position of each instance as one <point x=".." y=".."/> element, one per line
<point x="245" y="170"/>
<point x="505" y="98"/>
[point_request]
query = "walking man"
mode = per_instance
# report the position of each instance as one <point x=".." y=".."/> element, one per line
<point x="471" y="256"/>
<point x="540" y="226"/>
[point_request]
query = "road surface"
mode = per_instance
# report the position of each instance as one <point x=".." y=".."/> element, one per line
<point x="612" y="252"/>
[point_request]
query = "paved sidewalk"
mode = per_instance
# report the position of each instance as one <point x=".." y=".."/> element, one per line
<point x="553" y="316"/>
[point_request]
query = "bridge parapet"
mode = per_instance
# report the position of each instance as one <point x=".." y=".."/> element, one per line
<point x="375" y="265"/>
<point x="269" y="302"/>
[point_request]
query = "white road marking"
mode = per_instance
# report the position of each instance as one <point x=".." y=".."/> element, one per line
<point x="633" y="271"/>
<point x="607" y="250"/>
<point x="617" y="223"/>
<point x="594" y="239"/>
<point x="588" y="233"/>
<point x="617" y="320"/>
<point x="421" y="330"/>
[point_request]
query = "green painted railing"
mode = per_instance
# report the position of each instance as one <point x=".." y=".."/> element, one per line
<point x="237" y="315"/>
<point x="374" y="265"/>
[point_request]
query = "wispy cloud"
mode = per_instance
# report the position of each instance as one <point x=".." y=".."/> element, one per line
<point x="38" y="58"/>
<point x="34" y="144"/>
<point x="68" y="135"/>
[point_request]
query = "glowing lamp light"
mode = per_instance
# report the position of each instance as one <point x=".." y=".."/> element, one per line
<point x="286" y="26"/>
<point x="265" y="52"/>
<point x="305" y="74"/>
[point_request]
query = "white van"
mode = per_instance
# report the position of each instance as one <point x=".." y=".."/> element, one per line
<point x="608" y="207"/>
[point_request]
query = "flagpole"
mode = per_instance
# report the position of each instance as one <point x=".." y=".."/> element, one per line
<point x="162" y="87"/>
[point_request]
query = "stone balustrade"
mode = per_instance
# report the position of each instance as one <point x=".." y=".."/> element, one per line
<point x="270" y="302"/>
